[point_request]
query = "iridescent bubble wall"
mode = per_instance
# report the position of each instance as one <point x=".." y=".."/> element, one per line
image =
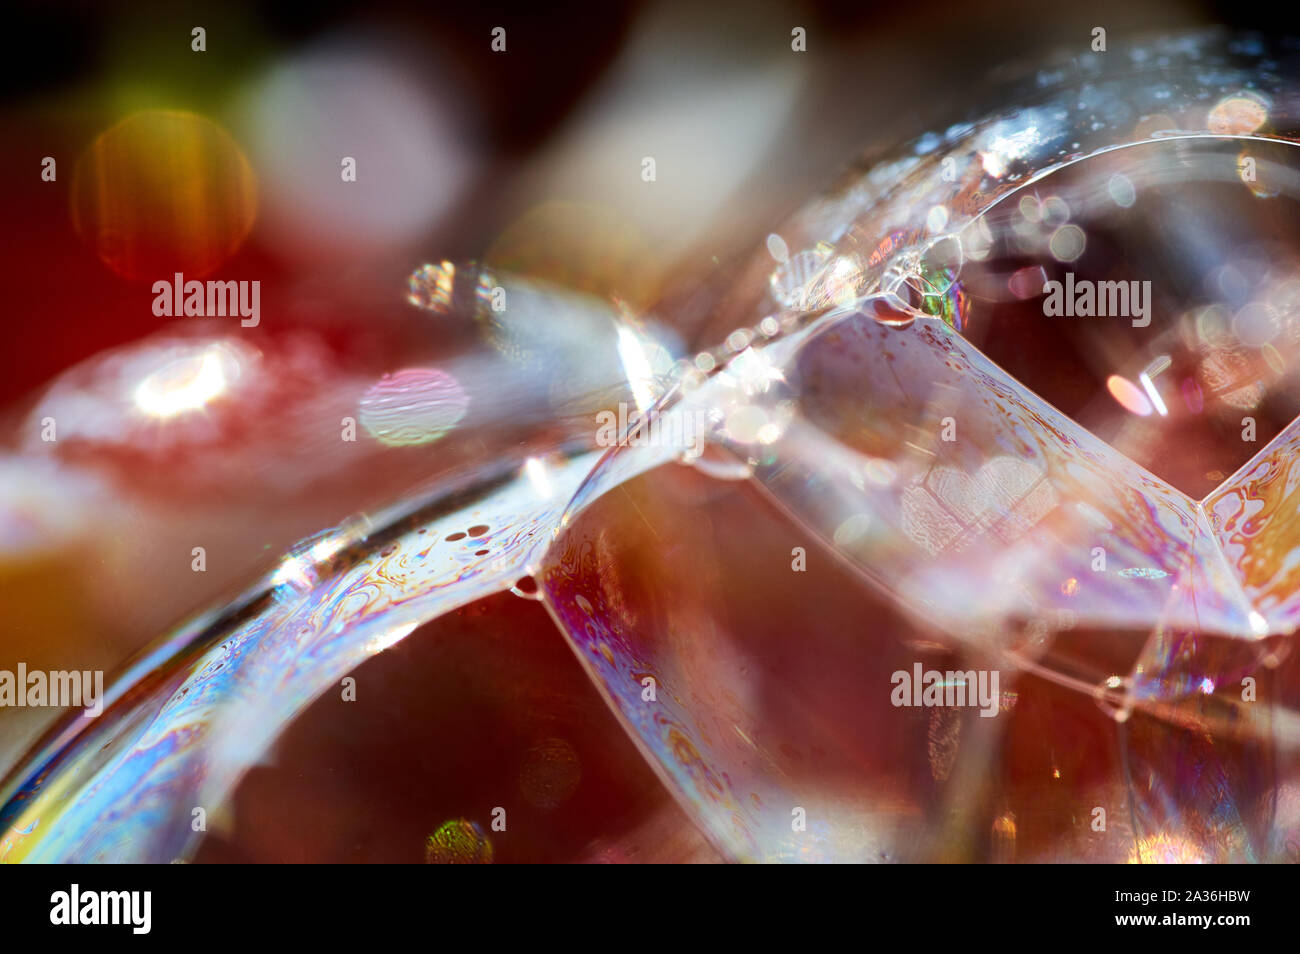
<point x="951" y="521"/>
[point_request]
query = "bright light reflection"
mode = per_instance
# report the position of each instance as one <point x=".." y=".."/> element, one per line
<point x="325" y="549"/>
<point x="537" y="475"/>
<point x="384" y="640"/>
<point x="185" y="384"/>
<point x="636" y="365"/>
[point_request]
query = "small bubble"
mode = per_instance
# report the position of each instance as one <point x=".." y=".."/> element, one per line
<point x="1121" y="190"/>
<point x="430" y="286"/>
<point x="526" y="588"/>
<point x="1067" y="243"/>
<point x="739" y="339"/>
<point x="458" y="842"/>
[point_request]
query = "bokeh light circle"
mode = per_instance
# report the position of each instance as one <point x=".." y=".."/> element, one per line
<point x="413" y="406"/>
<point x="164" y="191"/>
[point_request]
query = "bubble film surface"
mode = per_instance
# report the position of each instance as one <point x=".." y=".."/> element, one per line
<point x="890" y="456"/>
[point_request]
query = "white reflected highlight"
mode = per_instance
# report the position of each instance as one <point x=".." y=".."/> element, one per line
<point x="186" y="384"/>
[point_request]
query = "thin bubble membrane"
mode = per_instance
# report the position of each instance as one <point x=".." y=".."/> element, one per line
<point x="850" y="478"/>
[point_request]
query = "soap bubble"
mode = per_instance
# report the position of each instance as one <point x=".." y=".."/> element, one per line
<point x="458" y="842"/>
<point x="929" y="589"/>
